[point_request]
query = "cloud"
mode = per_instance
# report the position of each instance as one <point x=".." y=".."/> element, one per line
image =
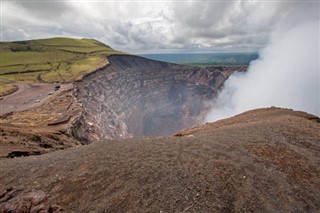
<point x="238" y="22"/>
<point x="153" y="26"/>
<point x="287" y="74"/>
<point x="43" y="9"/>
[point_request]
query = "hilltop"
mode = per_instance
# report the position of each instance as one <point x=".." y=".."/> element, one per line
<point x="53" y="60"/>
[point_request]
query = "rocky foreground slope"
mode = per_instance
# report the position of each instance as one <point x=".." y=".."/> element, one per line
<point x="265" y="160"/>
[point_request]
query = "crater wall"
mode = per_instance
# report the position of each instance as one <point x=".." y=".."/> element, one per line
<point x="134" y="96"/>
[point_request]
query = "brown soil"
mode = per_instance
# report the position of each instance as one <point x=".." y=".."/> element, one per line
<point x="264" y="160"/>
<point x="44" y="127"/>
<point x="28" y="96"/>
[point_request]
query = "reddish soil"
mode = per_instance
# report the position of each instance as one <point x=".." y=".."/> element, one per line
<point x="264" y="160"/>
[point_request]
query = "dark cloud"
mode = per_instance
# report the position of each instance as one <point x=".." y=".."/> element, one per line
<point x="157" y="26"/>
<point x="240" y="24"/>
<point x="44" y="9"/>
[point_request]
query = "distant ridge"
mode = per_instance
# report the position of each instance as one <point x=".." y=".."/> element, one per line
<point x="205" y="59"/>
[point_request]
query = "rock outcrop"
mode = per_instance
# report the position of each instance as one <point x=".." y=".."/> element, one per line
<point x="24" y="201"/>
<point x="135" y="96"/>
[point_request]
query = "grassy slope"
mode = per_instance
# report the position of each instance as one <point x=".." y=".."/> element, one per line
<point x="51" y="60"/>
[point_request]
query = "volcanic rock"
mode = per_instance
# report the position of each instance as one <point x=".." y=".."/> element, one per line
<point x="134" y="96"/>
<point x="264" y="160"/>
<point x="22" y="201"/>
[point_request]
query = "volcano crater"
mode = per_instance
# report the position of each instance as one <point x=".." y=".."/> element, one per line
<point x="135" y="96"/>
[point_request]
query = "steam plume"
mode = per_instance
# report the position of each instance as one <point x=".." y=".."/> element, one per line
<point x="285" y="75"/>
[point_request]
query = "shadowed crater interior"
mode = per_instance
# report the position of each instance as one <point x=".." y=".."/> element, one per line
<point x="134" y="96"/>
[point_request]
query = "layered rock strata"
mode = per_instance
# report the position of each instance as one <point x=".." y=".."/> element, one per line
<point x="134" y="96"/>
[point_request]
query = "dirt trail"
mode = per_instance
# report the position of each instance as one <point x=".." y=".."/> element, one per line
<point x="43" y="127"/>
<point x="29" y="96"/>
<point x="265" y="160"/>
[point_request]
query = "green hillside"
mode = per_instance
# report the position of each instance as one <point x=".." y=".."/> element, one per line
<point x="51" y="60"/>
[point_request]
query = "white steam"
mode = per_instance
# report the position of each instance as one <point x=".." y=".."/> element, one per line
<point x="285" y="75"/>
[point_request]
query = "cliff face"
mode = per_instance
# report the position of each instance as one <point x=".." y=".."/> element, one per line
<point x="135" y="96"/>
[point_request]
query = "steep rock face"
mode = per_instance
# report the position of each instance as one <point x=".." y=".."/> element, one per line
<point x="135" y="96"/>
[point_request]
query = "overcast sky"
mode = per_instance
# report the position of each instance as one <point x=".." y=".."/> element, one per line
<point x="157" y="26"/>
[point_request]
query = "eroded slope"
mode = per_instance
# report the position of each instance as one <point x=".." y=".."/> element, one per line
<point x="38" y="127"/>
<point x="135" y="96"/>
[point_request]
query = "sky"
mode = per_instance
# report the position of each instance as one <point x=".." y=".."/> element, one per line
<point x="157" y="26"/>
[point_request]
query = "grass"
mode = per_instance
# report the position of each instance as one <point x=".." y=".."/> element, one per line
<point x="25" y="77"/>
<point x="6" y="88"/>
<point x="52" y="60"/>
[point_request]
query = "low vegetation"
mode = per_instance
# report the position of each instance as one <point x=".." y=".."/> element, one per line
<point x="51" y="60"/>
<point x="6" y="88"/>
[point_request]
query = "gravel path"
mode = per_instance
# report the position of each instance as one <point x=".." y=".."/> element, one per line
<point x="28" y="96"/>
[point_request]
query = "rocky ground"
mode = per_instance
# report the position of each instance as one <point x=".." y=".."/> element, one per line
<point x="265" y="160"/>
<point x="34" y="128"/>
<point x="30" y="96"/>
